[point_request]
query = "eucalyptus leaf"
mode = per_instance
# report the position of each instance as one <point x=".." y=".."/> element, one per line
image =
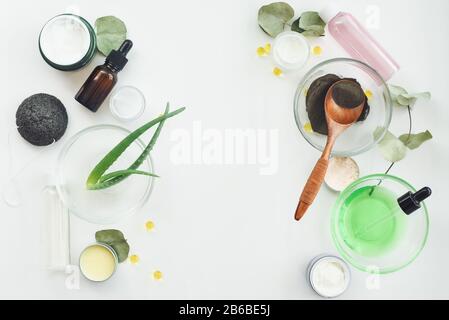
<point x="273" y="17"/>
<point x="111" y="32"/>
<point x="295" y="26"/>
<point x="396" y="90"/>
<point x="309" y="24"/>
<point x="311" y="21"/>
<point x="402" y="98"/>
<point x="109" y="236"/>
<point x="410" y="99"/>
<point x="391" y="148"/>
<point x="314" y="33"/>
<point x="121" y="248"/>
<point x="116" y="240"/>
<point x="414" y="141"/>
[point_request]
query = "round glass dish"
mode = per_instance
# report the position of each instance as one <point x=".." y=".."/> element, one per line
<point x="291" y="50"/>
<point x="127" y="103"/>
<point x="399" y="238"/>
<point x="76" y="160"/>
<point x="360" y="136"/>
<point x="77" y="61"/>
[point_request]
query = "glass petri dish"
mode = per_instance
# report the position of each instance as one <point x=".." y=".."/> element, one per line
<point x="76" y="160"/>
<point x="127" y="103"/>
<point x="360" y="136"/>
<point x="387" y="244"/>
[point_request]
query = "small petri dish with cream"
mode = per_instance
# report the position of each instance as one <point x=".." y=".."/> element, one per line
<point x="98" y="262"/>
<point x="127" y="103"/>
<point x="291" y="50"/>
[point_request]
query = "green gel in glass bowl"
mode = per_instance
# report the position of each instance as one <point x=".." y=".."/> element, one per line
<point x="371" y="231"/>
<point x="370" y="222"/>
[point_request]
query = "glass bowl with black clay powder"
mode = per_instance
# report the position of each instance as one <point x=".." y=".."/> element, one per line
<point x="309" y="111"/>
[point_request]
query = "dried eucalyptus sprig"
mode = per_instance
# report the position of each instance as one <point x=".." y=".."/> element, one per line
<point x="99" y="180"/>
<point x="393" y="148"/>
<point x="401" y="98"/>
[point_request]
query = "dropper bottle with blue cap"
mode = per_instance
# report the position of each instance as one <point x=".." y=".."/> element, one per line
<point x="103" y="78"/>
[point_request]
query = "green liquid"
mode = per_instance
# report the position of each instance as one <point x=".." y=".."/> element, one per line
<point x="371" y="224"/>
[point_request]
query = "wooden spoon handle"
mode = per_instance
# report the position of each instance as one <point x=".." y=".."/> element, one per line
<point x="312" y="187"/>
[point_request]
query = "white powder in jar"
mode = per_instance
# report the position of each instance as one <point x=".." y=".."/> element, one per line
<point x="341" y="172"/>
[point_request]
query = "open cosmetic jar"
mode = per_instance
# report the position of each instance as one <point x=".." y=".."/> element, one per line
<point x="291" y="50"/>
<point x="67" y="42"/>
<point x="328" y="275"/>
<point x="98" y="262"/>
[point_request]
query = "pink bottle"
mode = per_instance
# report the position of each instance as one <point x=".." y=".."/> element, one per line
<point x="357" y="42"/>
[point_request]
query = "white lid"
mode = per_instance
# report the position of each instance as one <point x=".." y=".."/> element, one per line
<point x="329" y="11"/>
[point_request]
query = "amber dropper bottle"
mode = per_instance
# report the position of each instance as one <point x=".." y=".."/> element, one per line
<point x="101" y="81"/>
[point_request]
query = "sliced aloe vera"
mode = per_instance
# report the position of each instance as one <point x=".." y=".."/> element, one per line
<point x="99" y="180"/>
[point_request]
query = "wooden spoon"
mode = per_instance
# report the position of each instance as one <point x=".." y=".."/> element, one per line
<point x="343" y="106"/>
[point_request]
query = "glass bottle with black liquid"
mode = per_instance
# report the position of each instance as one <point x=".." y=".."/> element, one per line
<point x="103" y="78"/>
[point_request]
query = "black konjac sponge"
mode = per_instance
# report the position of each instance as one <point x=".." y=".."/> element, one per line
<point x="41" y="119"/>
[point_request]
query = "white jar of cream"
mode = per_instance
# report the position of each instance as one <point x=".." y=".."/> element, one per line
<point x="291" y="50"/>
<point x="328" y="275"/>
<point x="67" y="42"/>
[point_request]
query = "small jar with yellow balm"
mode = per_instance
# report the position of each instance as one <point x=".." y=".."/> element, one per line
<point x="98" y="262"/>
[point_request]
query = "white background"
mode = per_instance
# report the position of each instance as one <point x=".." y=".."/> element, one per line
<point x="222" y="231"/>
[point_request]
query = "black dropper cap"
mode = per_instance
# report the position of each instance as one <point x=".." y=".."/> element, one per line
<point x="411" y="202"/>
<point x="117" y="58"/>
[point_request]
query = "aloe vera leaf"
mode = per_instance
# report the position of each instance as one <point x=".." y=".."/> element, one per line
<point x="117" y="173"/>
<point x="145" y="152"/>
<point x="138" y="162"/>
<point x="112" y="156"/>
